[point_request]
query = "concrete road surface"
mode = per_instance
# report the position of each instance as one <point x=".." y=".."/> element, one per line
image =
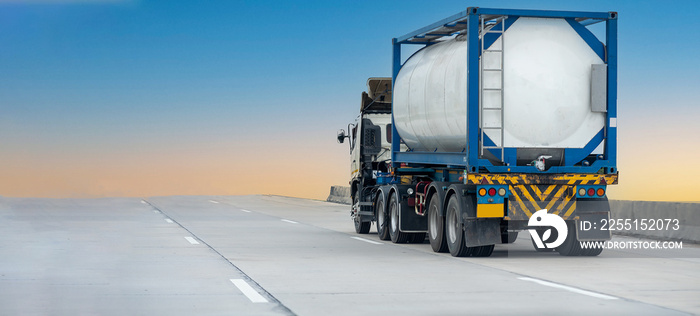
<point x="270" y="255"/>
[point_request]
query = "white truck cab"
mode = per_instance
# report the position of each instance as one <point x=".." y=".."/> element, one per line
<point x="370" y="144"/>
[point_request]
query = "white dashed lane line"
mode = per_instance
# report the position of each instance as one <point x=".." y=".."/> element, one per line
<point x="192" y="240"/>
<point x="169" y="221"/>
<point x="248" y="291"/>
<point x="215" y="202"/>
<point x="570" y="289"/>
<point x="247" y="211"/>
<point x="288" y="221"/>
<point x="367" y="240"/>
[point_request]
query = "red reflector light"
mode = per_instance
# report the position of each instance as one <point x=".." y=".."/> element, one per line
<point x="601" y="192"/>
<point x="492" y="191"/>
<point x="591" y="192"/>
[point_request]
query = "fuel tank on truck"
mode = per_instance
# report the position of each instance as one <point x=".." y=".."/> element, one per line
<point x="546" y="91"/>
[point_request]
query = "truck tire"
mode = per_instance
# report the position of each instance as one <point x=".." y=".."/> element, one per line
<point x="591" y="252"/>
<point x="416" y="238"/>
<point x="396" y="235"/>
<point x="360" y="226"/>
<point x="534" y="245"/>
<point x="436" y="225"/>
<point x="571" y="246"/>
<point x="454" y="232"/>
<point x="482" y="251"/>
<point x="382" y="219"/>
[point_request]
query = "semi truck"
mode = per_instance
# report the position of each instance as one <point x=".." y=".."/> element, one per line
<point x="498" y="115"/>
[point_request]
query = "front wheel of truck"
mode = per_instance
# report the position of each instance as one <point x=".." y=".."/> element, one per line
<point x="360" y="226"/>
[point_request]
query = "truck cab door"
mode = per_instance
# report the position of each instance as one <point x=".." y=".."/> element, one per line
<point x="355" y="148"/>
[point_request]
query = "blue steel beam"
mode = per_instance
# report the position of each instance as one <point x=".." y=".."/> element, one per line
<point x="590" y="22"/>
<point x="432" y="158"/>
<point x="395" y="138"/>
<point x="611" y="131"/>
<point x="541" y="13"/>
<point x="588" y="37"/>
<point x="436" y="25"/>
<point x="459" y="17"/>
<point x="473" y="51"/>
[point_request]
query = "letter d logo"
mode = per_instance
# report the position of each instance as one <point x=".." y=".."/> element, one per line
<point x="542" y="220"/>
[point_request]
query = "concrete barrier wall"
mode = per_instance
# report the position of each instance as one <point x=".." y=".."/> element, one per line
<point x="687" y="214"/>
<point x="340" y="194"/>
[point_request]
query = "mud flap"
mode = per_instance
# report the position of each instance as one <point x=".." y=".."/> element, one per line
<point x="592" y="215"/>
<point x="409" y="221"/>
<point x="482" y="231"/>
<point x="588" y="227"/>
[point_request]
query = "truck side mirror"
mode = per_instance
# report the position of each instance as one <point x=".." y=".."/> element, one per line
<point x="341" y="136"/>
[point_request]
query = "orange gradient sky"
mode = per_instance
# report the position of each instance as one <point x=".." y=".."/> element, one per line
<point x="651" y="167"/>
<point x="144" y="98"/>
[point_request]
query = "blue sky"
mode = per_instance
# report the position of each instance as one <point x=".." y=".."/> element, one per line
<point x="115" y="77"/>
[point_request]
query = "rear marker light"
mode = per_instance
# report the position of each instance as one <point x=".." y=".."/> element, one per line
<point x="582" y="191"/>
<point x="601" y="192"/>
<point x="492" y="191"/>
<point x="502" y="191"/>
<point x="591" y="192"/>
<point x="482" y="191"/>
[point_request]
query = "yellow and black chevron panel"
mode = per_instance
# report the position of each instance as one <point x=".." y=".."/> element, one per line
<point x="540" y="179"/>
<point x="526" y="199"/>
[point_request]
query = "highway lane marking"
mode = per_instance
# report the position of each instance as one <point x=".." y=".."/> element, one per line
<point x="192" y="240"/>
<point x="156" y="211"/>
<point x="288" y="221"/>
<point x="247" y="211"/>
<point x="169" y="221"/>
<point x="248" y="291"/>
<point x="143" y="202"/>
<point x="215" y="202"/>
<point x="570" y="289"/>
<point x="367" y="240"/>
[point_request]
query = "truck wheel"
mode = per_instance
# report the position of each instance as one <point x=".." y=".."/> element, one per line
<point x="360" y="226"/>
<point x="456" y="242"/>
<point x="482" y="251"/>
<point x="534" y="245"/>
<point x="436" y="226"/>
<point x="416" y="238"/>
<point x="397" y="237"/>
<point x="571" y="246"/>
<point x="382" y="219"/>
<point x="591" y="252"/>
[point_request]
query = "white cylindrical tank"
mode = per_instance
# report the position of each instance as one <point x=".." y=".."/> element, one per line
<point x="547" y="74"/>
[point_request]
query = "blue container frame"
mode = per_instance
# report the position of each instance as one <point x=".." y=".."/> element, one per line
<point x="469" y="160"/>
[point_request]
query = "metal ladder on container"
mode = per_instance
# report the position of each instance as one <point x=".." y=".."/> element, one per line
<point x="499" y="28"/>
